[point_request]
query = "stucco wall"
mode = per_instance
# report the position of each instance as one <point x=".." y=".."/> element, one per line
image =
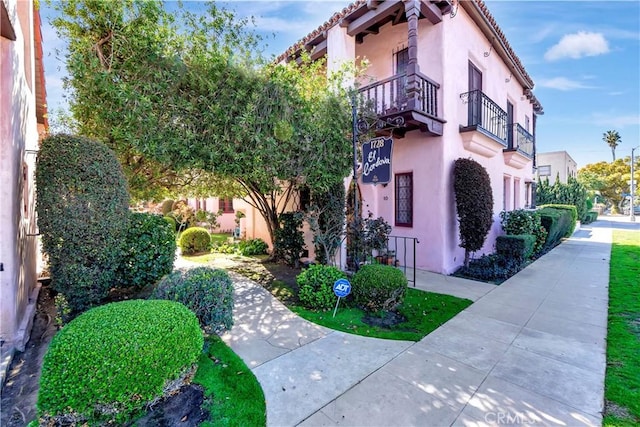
<point x="444" y="51"/>
<point x="18" y="133"/>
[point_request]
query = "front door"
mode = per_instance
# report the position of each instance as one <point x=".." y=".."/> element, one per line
<point x="475" y="95"/>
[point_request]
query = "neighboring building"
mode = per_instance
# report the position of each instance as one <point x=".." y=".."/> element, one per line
<point x="445" y="75"/>
<point x="22" y="122"/>
<point x="556" y="165"/>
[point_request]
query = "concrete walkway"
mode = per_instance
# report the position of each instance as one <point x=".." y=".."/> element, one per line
<point x="531" y="351"/>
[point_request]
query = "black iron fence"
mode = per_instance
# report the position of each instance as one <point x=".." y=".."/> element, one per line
<point x="403" y="251"/>
<point x="523" y="140"/>
<point x="485" y="114"/>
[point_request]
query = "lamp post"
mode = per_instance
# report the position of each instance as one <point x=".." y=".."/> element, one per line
<point x="632" y="216"/>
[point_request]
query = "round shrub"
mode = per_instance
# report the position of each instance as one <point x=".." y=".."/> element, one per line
<point x="110" y="361"/>
<point x="166" y="207"/>
<point x="195" y="239"/>
<point x="149" y="251"/>
<point x="172" y="223"/>
<point x="379" y="287"/>
<point x="252" y="247"/>
<point x="206" y="291"/>
<point x="316" y="286"/>
<point x="83" y="208"/>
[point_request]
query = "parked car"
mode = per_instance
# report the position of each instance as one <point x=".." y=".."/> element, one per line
<point x="636" y="210"/>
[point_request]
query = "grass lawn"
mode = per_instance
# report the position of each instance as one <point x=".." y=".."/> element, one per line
<point x="622" y="381"/>
<point x="233" y="395"/>
<point x="424" y="311"/>
<point x="218" y="238"/>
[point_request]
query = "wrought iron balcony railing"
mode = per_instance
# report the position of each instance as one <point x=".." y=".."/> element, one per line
<point x="523" y="141"/>
<point x="390" y="96"/>
<point x="485" y="114"/>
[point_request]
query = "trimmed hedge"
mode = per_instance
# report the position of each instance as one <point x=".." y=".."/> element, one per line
<point x="149" y="251"/>
<point x="195" y="239"/>
<point x="109" y="362"/>
<point x="316" y="286"/>
<point x="206" y="291"/>
<point x="523" y="221"/>
<point x="83" y="209"/>
<point x="516" y="247"/>
<point x="572" y="211"/>
<point x="379" y="287"/>
<point x="558" y="223"/>
<point x="589" y="217"/>
<point x="474" y="203"/>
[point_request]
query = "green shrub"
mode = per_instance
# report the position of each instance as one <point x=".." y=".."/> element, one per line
<point x="167" y="207"/>
<point x="289" y="241"/>
<point x="379" y="287"/>
<point x="474" y="204"/>
<point x="517" y="247"/>
<point x="590" y="217"/>
<point x="172" y="224"/>
<point x="252" y="247"/>
<point x="572" y="193"/>
<point x="111" y="361"/>
<point x="572" y="212"/>
<point x="207" y="292"/>
<point x="316" y="286"/>
<point x="195" y="239"/>
<point x="522" y="221"/>
<point x="557" y="222"/>
<point x="83" y="208"/>
<point x="225" y="248"/>
<point x="149" y="251"/>
<point x="491" y="268"/>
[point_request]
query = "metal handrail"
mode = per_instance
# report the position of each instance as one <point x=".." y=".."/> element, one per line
<point x="484" y="113"/>
<point x="390" y="95"/>
<point x="404" y="253"/>
<point x="523" y="140"/>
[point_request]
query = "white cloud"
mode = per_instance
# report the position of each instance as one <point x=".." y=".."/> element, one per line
<point x="616" y="120"/>
<point x="563" y="83"/>
<point x="578" y="45"/>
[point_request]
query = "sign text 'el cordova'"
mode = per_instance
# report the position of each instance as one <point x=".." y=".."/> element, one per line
<point x="376" y="156"/>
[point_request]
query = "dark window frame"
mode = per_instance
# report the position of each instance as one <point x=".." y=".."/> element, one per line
<point x="397" y="178"/>
<point x="225" y="205"/>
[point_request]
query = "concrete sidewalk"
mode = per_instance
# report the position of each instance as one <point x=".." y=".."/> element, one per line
<point x="531" y="350"/>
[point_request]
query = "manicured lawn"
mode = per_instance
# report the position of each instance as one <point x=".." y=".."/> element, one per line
<point x="424" y="311"/>
<point x="218" y="238"/>
<point x="233" y="395"/>
<point x="622" y="382"/>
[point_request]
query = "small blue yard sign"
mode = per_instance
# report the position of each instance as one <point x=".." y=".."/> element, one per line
<point x="341" y="288"/>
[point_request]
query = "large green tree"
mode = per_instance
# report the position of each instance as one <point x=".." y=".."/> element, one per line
<point x="175" y="104"/>
<point x="609" y="179"/>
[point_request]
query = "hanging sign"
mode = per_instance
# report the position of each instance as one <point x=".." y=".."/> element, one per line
<point x="376" y="156"/>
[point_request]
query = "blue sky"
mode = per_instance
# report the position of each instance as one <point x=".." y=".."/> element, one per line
<point x="584" y="57"/>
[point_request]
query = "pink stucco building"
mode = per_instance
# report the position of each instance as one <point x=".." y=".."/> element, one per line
<point x="22" y="122"/>
<point x="444" y="72"/>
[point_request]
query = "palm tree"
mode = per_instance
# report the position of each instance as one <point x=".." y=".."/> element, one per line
<point x="612" y="138"/>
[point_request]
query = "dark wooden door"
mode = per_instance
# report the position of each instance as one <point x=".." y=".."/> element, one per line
<point x="509" y="125"/>
<point x="402" y="62"/>
<point x="475" y="95"/>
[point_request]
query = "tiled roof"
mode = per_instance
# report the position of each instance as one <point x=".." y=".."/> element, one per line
<point x="338" y="16"/>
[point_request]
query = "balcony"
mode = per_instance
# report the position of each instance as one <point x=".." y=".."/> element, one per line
<point x="394" y="101"/>
<point x="520" y="147"/>
<point x="488" y="132"/>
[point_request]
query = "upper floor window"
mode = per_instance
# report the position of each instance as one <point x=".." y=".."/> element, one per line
<point x="544" y="170"/>
<point x="526" y="123"/>
<point x="404" y="199"/>
<point x="225" y="205"/>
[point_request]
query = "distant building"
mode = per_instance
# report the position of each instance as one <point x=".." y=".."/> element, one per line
<point x="556" y="164"/>
<point x="22" y="122"/>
